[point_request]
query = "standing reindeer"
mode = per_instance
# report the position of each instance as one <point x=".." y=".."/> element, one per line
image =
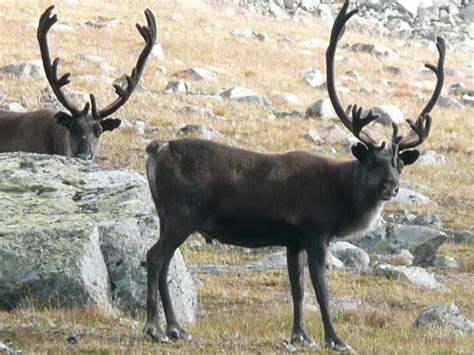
<point x="298" y="200"/>
<point x="75" y="133"/>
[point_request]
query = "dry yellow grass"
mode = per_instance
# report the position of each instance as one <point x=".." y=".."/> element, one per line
<point x="254" y="318"/>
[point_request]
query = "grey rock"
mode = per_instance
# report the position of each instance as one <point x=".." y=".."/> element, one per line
<point x="309" y="5"/>
<point x="194" y="130"/>
<point x="416" y="275"/>
<point x="72" y="233"/>
<point x="430" y="157"/>
<point x="446" y="262"/>
<point x="177" y="86"/>
<point x="446" y="101"/>
<point x="275" y="261"/>
<point x="409" y="197"/>
<point x="91" y="58"/>
<point x="288" y="347"/>
<point x="323" y="109"/>
<point x="424" y="254"/>
<point x="30" y="69"/>
<point x="467" y="14"/>
<point x="389" y="114"/>
<point x="313" y="136"/>
<point x="245" y="95"/>
<point x="403" y="257"/>
<point x="468" y="100"/>
<point x="16" y="107"/>
<point x="242" y="32"/>
<point x="346" y="303"/>
<point x="49" y="100"/>
<point x="157" y="52"/>
<point x="391" y="237"/>
<point x="212" y="269"/>
<point x="196" y="74"/>
<point x="333" y="263"/>
<point x="460" y="236"/>
<point x="350" y="255"/>
<point x="445" y="315"/>
<point x="373" y="49"/>
<point x="286" y="98"/>
<point x="431" y="220"/>
<point x="313" y="78"/>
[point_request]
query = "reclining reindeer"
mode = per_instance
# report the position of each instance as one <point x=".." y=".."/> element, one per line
<point x="75" y="133"/>
<point x="298" y="200"/>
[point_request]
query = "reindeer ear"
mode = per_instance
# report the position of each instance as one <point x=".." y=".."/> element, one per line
<point x="409" y="156"/>
<point x="110" y="124"/>
<point x="63" y="118"/>
<point x="360" y="151"/>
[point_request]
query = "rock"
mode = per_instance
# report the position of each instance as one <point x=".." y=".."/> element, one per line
<point x="403" y="257"/>
<point x="390" y="237"/>
<point x="444" y="315"/>
<point x="49" y="100"/>
<point x="446" y="262"/>
<point x="430" y="157"/>
<point x="431" y="220"/>
<point x="460" y="236"/>
<point x="424" y="254"/>
<point x="272" y="262"/>
<point x="373" y="49"/>
<point x="415" y="275"/>
<point x="91" y="58"/>
<point x="389" y="114"/>
<point x="468" y="100"/>
<point x="286" y="98"/>
<point x="323" y="109"/>
<point x="350" y="255"/>
<point x="196" y="74"/>
<point x="446" y="101"/>
<point x="333" y="263"/>
<point x="313" y="78"/>
<point x="16" y="107"/>
<point x="61" y="27"/>
<point x="194" y="130"/>
<point x="409" y="197"/>
<point x="30" y="69"/>
<point x="242" y="32"/>
<point x="212" y="269"/>
<point x="288" y="347"/>
<point x="243" y="94"/>
<point x="177" y="86"/>
<point x="467" y="14"/>
<point x="313" y="136"/>
<point x="72" y="233"/>
<point x="157" y="52"/>
<point x="4" y="349"/>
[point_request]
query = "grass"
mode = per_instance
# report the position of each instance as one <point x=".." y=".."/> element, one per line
<point x="249" y="312"/>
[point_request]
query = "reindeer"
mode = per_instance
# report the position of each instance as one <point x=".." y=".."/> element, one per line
<point x="75" y="133"/>
<point x="298" y="200"/>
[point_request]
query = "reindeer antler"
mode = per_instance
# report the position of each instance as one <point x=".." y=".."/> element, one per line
<point x="149" y="34"/>
<point x="357" y="123"/>
<point x="47" y="21"/>
<point x="421" y="128"/>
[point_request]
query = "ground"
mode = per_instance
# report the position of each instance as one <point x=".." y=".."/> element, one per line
<point x="249" y="312"/>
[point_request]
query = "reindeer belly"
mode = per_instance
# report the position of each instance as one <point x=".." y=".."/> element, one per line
<point x="251" y="234"/>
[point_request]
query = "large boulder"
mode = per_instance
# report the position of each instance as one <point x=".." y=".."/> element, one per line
<point x="72" y="233"/>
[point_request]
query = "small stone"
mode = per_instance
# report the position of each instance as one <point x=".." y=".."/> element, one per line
<point x="198" y="131"/>
<point x="389" y="114"/>
<point x="196" y="74"/>
<point x="430" y="157"/>
<point x="313" y="78"/>
<point x="445" y="315"/>
<point x="350" y="255"/>
<point x="415" y="275"/>
<point x="313" y="136"/>
<point x="286" y="98"/>
<point x="242" y="32"/>
<point x="446" y="262"/>
<point x="177" y="86"/>
<point x="323" y="109"/>
<point x="16" y="107"/>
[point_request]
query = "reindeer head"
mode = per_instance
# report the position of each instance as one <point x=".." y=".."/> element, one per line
<point x="380" y="163"/>
<point x="86" y="125"/>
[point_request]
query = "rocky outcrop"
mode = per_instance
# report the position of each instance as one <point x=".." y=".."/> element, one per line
<point x="72" y="233"/>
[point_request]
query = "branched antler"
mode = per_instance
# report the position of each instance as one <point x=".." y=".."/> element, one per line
<point x="149" y="34"/>
<point x="357" y="123"/>
<point x="51" y="70"/>
<point x="421" y="128"/>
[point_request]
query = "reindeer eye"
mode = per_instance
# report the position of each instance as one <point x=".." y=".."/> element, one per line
<point x="97" y="130"/>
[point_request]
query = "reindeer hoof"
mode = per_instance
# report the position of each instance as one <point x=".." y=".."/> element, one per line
<point x="176" y="332"/>
<point x="339" y="347"/>
<point x="302" y="338"/>
<point x="155" y="334"/>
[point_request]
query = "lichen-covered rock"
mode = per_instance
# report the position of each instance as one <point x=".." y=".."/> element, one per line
<point x="72" y="233"/>
<point x="446" y="314"/>
<point x="350" y="255"/>
<point x="415" y="275"/>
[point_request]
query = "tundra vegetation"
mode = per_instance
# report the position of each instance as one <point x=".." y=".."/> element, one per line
<point x="250" y="312"/>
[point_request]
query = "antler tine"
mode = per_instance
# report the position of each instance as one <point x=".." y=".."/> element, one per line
<point x="357" y="123"/>
<point x="47" y="21"/>
<point x="149" y="35"/>
<point x="421" y="128"/>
